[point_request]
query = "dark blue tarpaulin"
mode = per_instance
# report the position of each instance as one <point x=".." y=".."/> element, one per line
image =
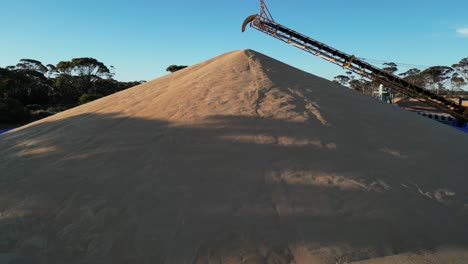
<point x="5" y="130"/>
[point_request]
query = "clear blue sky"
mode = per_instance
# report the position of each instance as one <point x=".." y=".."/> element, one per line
<point x="142" y="37"/>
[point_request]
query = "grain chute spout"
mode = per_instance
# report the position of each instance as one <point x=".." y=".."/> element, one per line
<point x="247" y="21"/>
<point x="262" y="17"/>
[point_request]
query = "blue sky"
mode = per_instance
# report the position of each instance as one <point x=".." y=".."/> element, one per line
<point x="142" y="37"/>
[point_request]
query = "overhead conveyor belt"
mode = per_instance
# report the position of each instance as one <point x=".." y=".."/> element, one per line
<point x="265" y="23"/>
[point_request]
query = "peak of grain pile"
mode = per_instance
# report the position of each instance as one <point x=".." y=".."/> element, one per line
<point x="239" y="159"/>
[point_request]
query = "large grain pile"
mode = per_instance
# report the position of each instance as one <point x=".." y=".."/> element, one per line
<point x="239" y="159"/>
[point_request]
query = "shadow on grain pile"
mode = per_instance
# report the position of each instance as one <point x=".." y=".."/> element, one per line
<point x="231" y="188"/>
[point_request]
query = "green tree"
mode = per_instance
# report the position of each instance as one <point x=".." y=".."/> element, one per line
<point x="174" y="68"/>
<point x="12" y="111"/>
<point x="413" y="76"/>
<point x="457" y="82"/>
<point x="31" y="86"/>
<point x="342" y="80"/>
<point x="86" y="98"/>
<point x="76" y="77"/>
<point x="47" y="89"/>
<point x="436" y="77"/>
<point x="66" y="90"/>
<point x="31" y="65"/>
<point x="462" y="67"/>
<point x="460" y="77"/>
<point x="105" y="86"/>
<point x="89" y="68"/>
<point x="362" y="85"/>
<point x="52" y="71"/>
<point x="390" y="67"/>
<point x="26" y="86"/>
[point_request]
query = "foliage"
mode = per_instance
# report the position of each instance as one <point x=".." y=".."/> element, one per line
<point x="12" y="111"/>
<point x="413" y="76"/>
<point x="435" y="77"/>
<point x="48" y="89"/>
<point x="459" y="78"/>
<point x="457" y="81"/>
<point x="78" y="75"/>
<point x="174" y="68"/>
<point x="364" y="86"/>
<point x="359" y="84"/>
<point x="25" y="85"/>
<point x="31" y="65"/>
<point x="441" y="79"/>
<point x="390" y="67"/>
<point x="89" y="68"/>
<point x="462" y="68"/>
<point x="86" y="98"/>
<point x="40" y="114"/>
<point x="342" y="80"/>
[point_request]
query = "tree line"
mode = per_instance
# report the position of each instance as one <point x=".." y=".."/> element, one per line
<point x="31" y="90"/>
<point x="443" y="80"/>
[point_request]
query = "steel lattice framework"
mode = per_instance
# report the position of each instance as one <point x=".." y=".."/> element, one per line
<point x="265" y="23"/>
